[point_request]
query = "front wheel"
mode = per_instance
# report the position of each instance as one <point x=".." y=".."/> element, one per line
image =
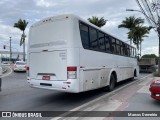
<point x="112" y="83"/>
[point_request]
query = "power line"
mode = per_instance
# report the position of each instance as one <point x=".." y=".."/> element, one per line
<point x="149" y="8"/>
<point x="143" y="11"/>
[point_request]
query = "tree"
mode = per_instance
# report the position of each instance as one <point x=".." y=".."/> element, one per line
<point x="22" y="24"/>
<point x="97" y="21"/>
<point x="131" y="23"/>
<point x="139" y="33"/>
<point x="149" y="56"/>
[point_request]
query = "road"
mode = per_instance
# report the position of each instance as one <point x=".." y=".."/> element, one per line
<point x="16" y="95"/>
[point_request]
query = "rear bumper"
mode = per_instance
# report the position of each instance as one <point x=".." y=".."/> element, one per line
<point x="155" y="93"/>
<point x="18" y="69"/>
<point x="65" y="86"/>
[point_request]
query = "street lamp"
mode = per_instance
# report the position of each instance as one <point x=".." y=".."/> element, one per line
<point x="10" y="51"/>
<point x="143" y="14"/>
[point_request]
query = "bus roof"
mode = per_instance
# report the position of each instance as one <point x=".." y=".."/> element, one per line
<point x="65" y="16"/>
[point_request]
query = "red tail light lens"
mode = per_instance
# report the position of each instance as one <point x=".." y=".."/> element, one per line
<point x="71" y="68"/>
<point x="27" y="68"/>
<point x="71" y="72"/>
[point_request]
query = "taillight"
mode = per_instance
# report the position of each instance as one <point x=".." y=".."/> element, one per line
<point x="71" y="72"/>
<point x="27" y="68"/>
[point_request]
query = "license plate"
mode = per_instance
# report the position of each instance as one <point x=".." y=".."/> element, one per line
<point x="157" y="94"/>
<point x="46" y="78"/>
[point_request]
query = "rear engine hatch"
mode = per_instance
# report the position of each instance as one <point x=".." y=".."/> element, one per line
<point x="48" y="65"/>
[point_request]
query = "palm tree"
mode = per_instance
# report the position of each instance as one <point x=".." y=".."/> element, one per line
<point x="22" y="24"/>
<point x="130" y="23"/>
<point x="97" y="21"/>
<point x="139" y="33"/>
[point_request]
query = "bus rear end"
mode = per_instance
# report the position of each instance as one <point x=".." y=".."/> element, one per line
<point x="49" y="55"/>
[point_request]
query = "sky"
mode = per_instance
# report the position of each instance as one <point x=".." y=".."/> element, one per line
<point x="114" y="11"/>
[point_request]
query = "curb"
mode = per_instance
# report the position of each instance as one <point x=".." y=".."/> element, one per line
<point x="81" y="107"/>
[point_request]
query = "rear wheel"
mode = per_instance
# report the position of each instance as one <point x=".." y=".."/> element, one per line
<point x="134" y="75"/>
<point x="112" y="83"/>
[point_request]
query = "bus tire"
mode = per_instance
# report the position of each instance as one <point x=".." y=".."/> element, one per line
<point x="135" y="73"/>
<point x="112" y="83"/>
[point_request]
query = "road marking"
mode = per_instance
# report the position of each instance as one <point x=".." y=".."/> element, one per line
<point x="99" y="98"/>
<point x="144" y="89"/>
<point x="7" y="73"/>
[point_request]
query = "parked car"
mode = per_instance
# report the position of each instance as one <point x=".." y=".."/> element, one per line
<point x="19" y="66"/>
<point x="155" y="89"/>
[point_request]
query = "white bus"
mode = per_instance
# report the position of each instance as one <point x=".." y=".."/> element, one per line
<point x="67" y="53"/>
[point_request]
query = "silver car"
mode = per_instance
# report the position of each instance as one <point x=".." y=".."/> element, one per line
<point x="19" y="66"/>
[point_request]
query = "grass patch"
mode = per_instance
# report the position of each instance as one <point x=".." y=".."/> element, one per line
<point x="156" y="74"/>
<point x="4" y="69"/>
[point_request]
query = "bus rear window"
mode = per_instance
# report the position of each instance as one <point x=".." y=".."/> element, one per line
<point x="52" y="33"/>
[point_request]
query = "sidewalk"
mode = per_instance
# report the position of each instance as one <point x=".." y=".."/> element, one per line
<point x="134" y="97"/>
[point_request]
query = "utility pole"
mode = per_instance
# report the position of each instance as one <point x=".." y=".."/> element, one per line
<point x="10" y="51"/>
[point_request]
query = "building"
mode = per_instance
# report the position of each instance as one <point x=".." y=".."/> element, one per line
<point x="5" y="56"/>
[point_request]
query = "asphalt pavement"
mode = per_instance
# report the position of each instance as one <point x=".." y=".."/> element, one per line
<point x="128" y="102"/>
<point x="16" y="95"/>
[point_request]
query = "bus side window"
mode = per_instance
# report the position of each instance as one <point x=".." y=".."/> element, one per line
<point x="135" y="53"/>
<point x="108" y="41"/>
<point x="118" y="50"/>
<point x="131" y="55"/>
<point x="128" y="51"/>
<point x="84" y="35"/>
<point x="113" y="46"/>
<point x="102" y="46"/>
<point x="123" y="49"/>
<point x="93" y="38"/>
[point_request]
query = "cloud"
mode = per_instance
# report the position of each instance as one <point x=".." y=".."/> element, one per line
<point x="34" y="10"/>
<point x="150" y="50"/>
<point x="43" y="3"/>
<point x="7" y="32"/>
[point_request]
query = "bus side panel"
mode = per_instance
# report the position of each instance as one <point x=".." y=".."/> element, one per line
<point x="101" y="65"/>
<point x="125" y="68"/>
<point x="95" y="71"/>
<point x="91" y="79"/>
